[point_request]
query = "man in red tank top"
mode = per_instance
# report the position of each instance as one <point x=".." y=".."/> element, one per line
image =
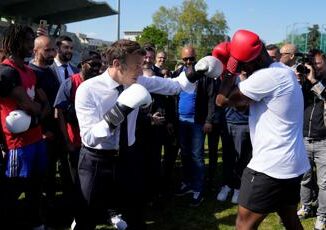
<point x="26" y="155"/>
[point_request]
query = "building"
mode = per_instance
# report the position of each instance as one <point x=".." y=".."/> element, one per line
<point x="131" y="35"/>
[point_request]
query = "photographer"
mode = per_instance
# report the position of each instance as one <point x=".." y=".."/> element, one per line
<point x="315" y="140"/>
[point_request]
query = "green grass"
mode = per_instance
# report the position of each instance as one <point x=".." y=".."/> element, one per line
<point x="175" y="214"/>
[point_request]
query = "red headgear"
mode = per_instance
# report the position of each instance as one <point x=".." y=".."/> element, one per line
<point x="244" y="47"/>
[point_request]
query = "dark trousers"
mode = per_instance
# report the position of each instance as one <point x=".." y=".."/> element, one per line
<point x="76" y="195"/>
<point x="57" y="155"/>
<point x="213" y="140"/>
<point x="110" y="182"/>
<point x="237" y="152"/>
<point x="171" y="149"/>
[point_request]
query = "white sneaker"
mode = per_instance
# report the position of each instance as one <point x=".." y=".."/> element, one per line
<point x="235" y="196"/>
<point x="223" y="194"/>
<point x="118" y="222"/>
<point x="320" y="223"/>
<point x="73" y="225"/>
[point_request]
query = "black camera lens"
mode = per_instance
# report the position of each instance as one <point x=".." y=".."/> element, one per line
<point x="302" y="69"/>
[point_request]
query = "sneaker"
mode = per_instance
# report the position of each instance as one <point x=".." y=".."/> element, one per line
<point x="305" y="212"/>
<point x="196" y="199"/>
<point x="184" y="189"/>
<point x="73" y="225"/>
<point x="223" y="194"/>
<point x="118" y="222"/>
<point x="320" y="223"/>
<point x="235" y="196"/>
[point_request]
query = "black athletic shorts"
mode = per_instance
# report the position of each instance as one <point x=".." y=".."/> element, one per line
<point x="264" y="194"/>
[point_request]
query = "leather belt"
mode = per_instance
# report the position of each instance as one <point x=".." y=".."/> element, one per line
<point x="104" y="152"/>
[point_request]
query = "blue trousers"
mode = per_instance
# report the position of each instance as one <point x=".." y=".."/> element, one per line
<point x="192" y="154"/>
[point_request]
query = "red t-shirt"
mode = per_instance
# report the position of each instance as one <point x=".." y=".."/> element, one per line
<point x="73" y="130"/>
<point x="32" y="135"/>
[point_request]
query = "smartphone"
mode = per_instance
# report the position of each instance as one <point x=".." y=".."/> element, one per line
<point x="43" y="24"/>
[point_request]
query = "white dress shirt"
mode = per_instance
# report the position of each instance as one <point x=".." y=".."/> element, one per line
<point x="60" y="70"/>
<point x="97" y="95"/>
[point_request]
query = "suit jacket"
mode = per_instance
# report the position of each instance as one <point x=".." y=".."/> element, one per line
<point x="55" y="68"/>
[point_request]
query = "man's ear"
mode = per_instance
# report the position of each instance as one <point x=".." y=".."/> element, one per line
<point x="116" y="63"/>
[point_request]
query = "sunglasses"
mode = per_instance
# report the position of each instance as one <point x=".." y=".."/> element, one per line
<point x="188" y="59"/>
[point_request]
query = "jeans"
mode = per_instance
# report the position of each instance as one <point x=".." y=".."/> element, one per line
<point x="315" y="179"/>
<point x="236" y="154"/>
<point x="192" y="154"/>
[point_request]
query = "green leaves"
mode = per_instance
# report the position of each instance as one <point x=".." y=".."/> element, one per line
<point x="189" y="24"/>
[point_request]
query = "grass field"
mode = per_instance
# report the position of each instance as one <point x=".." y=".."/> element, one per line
<point x="175" y="214"/>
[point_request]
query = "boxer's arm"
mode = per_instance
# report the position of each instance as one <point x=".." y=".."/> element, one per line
<point x="230" y="95"/>
<point x="24" y="102"/>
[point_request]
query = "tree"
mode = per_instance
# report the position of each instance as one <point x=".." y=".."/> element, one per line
<point x="151" y="34"/>
<point x="188" y="24"/>
<point x="167" y="20"/>
<point x="313" y="37"/>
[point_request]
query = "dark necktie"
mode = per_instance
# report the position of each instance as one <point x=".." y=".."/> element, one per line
<point x="65" y="66"/>
<point x="123" y="140"/>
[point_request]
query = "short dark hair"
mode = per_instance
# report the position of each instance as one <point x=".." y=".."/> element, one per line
<point x="272" y="47"/>
<point x="149" y="47"/>
<point x="121" y="48"/>
<point x="317" y="52"/>
<point x="61" y="39"/>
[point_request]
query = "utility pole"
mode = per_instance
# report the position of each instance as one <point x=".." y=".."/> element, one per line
<point x="118" y="20"/>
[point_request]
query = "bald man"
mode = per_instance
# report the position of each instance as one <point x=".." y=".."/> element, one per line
<point x="195" y="112"/>
<point x="288" y="52"/>
<point x="188" y="55"/>
<point x="44" y="53"/>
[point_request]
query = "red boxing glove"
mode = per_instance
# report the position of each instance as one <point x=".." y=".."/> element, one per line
<point x="244" y="47"/>
<point x="222" y="52"/>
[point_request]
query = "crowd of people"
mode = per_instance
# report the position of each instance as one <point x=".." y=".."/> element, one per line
<point x="114" y="125"/>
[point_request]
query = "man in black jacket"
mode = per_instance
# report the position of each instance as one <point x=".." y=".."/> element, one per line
<point x="315" y="141"/>
<point x="195" y="112"/>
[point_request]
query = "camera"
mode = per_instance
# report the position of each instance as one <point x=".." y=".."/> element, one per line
<point x="304" y="58"/>
<point x="302" y="69"/>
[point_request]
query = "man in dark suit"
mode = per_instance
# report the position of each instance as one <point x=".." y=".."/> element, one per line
<point x="61" y="65"/>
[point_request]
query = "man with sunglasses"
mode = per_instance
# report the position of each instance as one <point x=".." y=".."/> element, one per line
<point x="64" y="104"/>
<point x="271" y="181"/>
<point x="195" y="112"/>
<point x="287" y="53"/>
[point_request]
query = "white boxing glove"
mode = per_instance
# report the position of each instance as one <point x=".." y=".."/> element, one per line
<point x="135" y="96"/>
<point x="18" y="121"/>
<point x="131" y="98"/>
<point x="211" y="66"/>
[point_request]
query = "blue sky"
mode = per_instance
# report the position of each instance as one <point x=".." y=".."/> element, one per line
<point x="270" y="19"/>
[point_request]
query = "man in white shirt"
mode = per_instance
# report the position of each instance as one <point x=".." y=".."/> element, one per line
<point x="271" y="181"/>
<point x="108" y="160"/>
